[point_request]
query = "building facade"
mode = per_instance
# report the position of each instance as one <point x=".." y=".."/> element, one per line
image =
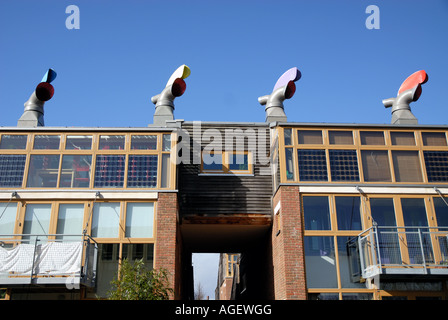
<point x="315" y="211"/>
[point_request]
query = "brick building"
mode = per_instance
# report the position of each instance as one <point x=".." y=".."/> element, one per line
<point x="316" y="211"/>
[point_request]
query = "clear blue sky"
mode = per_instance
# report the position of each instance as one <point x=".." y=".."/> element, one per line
<point x="125" y="51"/>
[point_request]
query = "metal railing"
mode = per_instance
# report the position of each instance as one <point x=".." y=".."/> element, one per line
<point x="398" y="250"/>
<point x="48" y="259"/>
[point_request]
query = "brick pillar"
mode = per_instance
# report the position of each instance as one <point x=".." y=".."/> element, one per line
<point x="287" y="246"/>
<point x="167" y="251"/>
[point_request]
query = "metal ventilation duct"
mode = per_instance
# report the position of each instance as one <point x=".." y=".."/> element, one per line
<point x="164" y="101"/>
<point x="33" y="115"/>
<point x="410" y="90"/>
<point x="283" y="89"/>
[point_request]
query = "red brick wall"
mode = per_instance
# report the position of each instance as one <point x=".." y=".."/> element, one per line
<point x="287" y="246"/>
<point x="167" y="248"/>
<point x="225" y="291"/>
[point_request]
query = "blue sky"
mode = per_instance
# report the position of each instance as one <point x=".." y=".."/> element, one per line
<point x="125" y="51"/>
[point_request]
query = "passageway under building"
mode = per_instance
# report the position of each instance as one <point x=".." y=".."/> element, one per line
<point x="251" y="241"/>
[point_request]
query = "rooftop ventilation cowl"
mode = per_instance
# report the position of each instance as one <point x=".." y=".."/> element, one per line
<point x="164" y="101"/>
<point x="283" y="89"/>
<point x="410" y="90"/>
<point x="33" y="115"/>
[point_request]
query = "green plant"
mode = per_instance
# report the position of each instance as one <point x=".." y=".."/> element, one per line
<point x="136" y="282"/>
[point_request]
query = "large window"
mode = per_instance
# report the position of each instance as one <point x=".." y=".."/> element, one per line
<point x="106" y="220"/>
<point x="140" y="220"/>
<point x="43" y="171"/>
<point x="362" y="155"/>
<point x="8" y="214"/>
<point x="320" y="260"/>
<point x="37" y="220"/>
<point x="13" y="141"/>
<point x="226" y="162"/>
<point x="76" y="171"/>
<point x="317" y="213"/>
<point x="70" y="220"/>
<point x="91" y="160"/>
<point x="348" y="211"/>
<point x="122" y="230"/>
<point x="407" y="166"/>
<point x="376" y="166"/>
<point x="332" y="221"/>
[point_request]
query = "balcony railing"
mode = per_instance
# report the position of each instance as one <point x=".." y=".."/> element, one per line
<point x="399" y="251"/>
<point x="48" y="259"/>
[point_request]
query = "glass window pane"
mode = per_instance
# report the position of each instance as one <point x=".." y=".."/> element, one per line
<point x="436" y="165"/>
<point x="139" y="220"/>
<point x="43" y="171"/>
<point x="8" y="214"/>
<point x="441" y="212"/>
<point x="12" y="168"/>
<point x="402" y="138"/>
<point x="78" y="143"/>
<point x="316" y="212"/>
<point x="407" y="166"/>
<point x="13" y="141"/>
<point x="344" y="165"/>
<point x="107" y="269"/>
<point x="139" y="251"/>
<point x="37" y="219"/>
<point x="323" y="296"/>
<point x="142" y="171"/>
<point x="75" y="171"/>
<point x="414" y="212"/>
<point x="70" y="219"/>
<point x="112" y="142"/>
<point x="372" y="137"/>
<point x="434" y="138"/>
<point x="312" y="165"/>
<point x="289" y="163"/>
<point x="375" y="165"/>
<point x="309" y="136"/>
<point x="383" y="212"/>
<point x="287" y="132"/>
<point x="166" y="142"/>
<point x="320" y="260"/>
<point x="166" y="168"/>
<point x="357" y="296"/>
<point x="344" y="265"/>
<point x="144" y="142"/>
<point x="348" y="213"/>
<point x="109" y="171"/>
<point x="414" y="215"/>
<point x="340" y="137"/>
<point x="211" y="161"/>
<point x="238" y="162"/>
<point x="44" y="142"/>
<point x="105" y="220"/>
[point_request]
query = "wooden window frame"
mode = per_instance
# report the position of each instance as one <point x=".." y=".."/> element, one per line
<point x="366" y="221"/>
<point x="225" y="170"/>
<point x="94" y="151"/>
<point x="387" y="147"/>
